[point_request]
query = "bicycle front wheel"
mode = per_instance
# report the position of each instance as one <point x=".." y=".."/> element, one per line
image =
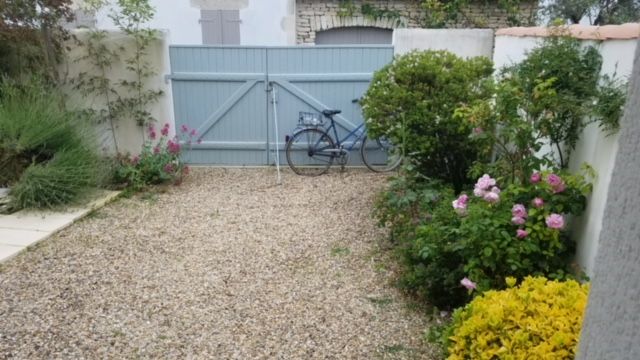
<point x="310" y="152"/>
<point x="380" y="155"/>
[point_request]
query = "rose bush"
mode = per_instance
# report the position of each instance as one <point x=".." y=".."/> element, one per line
<point x="493" y="234"/>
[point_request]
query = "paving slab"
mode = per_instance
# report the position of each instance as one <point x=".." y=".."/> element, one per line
<point x="24" y="228"/>
<point x="18" y="237"/>
<point x="7" y="251"/>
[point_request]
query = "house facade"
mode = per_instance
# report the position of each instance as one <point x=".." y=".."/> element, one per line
<point x="291" y="22"/>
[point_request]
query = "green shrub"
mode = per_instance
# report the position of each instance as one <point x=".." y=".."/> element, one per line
<point x="548" y="98"/>
<point x="413" y="102"/>
<point x="540" y="319"/>
<point x="45" y="154"/>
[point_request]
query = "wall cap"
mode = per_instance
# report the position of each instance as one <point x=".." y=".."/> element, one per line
<point x="583" y="32"/>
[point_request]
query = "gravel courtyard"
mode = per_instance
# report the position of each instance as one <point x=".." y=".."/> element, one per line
<point x="227" y="266"/>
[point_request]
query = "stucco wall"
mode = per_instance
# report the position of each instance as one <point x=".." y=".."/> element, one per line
<point x="595" y="147"/>
<point x="129" y="135"/>
<point x="462" y="42"/>
<point x="262" y="22"/>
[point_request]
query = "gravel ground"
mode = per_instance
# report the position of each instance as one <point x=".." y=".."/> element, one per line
<point x="225" y="266"/>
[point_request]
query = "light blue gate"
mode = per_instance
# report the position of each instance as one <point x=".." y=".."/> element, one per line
<point x="225" y="93"/>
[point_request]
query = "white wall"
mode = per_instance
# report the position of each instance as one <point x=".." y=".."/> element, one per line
<point x="462" y="42"/>
<point x="262" y="22"/>
<point x="594" y="147"/>
<point x="128" y="133"/>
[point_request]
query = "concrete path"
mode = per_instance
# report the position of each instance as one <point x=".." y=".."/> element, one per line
<point x="25" y="228"/>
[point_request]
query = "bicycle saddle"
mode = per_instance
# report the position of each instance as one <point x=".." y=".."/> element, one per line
<point x="331" y="112"/>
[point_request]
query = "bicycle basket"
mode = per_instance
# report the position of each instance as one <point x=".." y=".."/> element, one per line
<point x="310" y="119"/>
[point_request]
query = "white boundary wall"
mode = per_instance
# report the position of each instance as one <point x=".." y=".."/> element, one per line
<point x="595" y="147"/>
<point x="462" y="42"/>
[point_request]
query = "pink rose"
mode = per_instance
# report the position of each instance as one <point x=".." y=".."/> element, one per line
<point x="491" y="197"/>
<point x="516" y="220"/>
<point x="485" y="182"/>
<point x="460" y="204"/>
<point x="554" y="180"/>
<point x="560" y="188"/>
<point x="519" y="210"/>
<point x="555" y="221"/>
<point x="538" y="203"/>
<point x="521" y="234"/>
<point x="535" y="177"/>
<point x="470" y="285"/>
<point x="479" y="192"/>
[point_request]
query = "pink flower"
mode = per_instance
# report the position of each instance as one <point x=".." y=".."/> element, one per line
<point x="168" y="168"/>
<point x="478" y="130"/>
<point x="173" y="147"/>
<point x="491" y="197"/>
<point x="153" y="135"/>
<point x="521" y="234"/>
<point x="184" y="128"/>
<point x="538" y="203"/>
<point x="554" y="180"/>
<point x="193" y="132"/>
<point x="165" y="130"/>
<point x="555" y="221"/>
<point x="495" y="189"/>
<point x="470" y="285"/>
<point x="560" y="188"/>
<point x="518" y="210"/>
<point x="479" y="192"/>
<point x="485" y="182"/>
<point x="135" y="160"/>
<point x="460" y="204"/>
<point x="156" y="150"/>
<point x="516" y="220"/>
<point x="535" y="177"/>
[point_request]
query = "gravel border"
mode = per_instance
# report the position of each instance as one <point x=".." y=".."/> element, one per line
<point x="228" y="265"/>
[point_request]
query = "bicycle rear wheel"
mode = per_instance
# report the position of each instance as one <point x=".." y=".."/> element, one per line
<point x="310" y="152"/>
<point x="380" y="155"/>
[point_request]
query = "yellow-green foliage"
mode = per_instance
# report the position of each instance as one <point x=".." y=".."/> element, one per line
<point x="540" y="319"/>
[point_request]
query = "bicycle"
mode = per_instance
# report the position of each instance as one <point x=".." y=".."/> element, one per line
<point x="311" y="149"/>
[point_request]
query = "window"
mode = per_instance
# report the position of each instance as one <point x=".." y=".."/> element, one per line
<point x="220" y="27"/>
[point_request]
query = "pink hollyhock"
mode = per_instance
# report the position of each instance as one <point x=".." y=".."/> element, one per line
<point x="535" y="177"/>
<point x="538" y="203"/>
<point x="491" y="197"/>
<point x="555" y="221"/>
<point x="516" y="220"/>
<point x="521" y="234"/>
<point x="518" y="210"/>
<point x="470" y="285"/>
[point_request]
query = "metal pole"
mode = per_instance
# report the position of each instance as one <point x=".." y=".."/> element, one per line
<point x="275" y="120"/>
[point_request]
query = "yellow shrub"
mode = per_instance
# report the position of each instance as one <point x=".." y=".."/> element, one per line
<point x="540" y="319"/>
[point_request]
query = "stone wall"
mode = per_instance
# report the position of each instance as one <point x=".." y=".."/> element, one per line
<point x="319" y="15"/>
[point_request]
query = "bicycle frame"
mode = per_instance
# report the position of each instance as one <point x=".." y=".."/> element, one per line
<point x="358" y="133"/>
